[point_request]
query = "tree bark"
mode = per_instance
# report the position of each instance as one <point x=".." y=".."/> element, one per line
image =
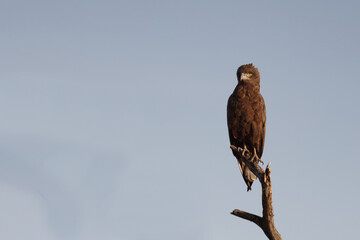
<point x="266" y="222"/>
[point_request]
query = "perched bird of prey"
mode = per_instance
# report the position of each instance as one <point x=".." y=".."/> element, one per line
<point x="246" y="117"/>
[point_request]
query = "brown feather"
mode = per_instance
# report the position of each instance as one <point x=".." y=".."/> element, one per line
<point x="246" y="117"/>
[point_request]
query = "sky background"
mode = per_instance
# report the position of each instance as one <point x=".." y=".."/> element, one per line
<point x="114" y="118"/>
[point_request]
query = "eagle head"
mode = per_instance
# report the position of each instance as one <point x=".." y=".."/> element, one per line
<point x="248" y="73"/>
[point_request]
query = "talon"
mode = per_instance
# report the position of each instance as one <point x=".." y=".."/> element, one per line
<point x="233" y="147"/>
<point x="259" y="160"/>
<point x="255" y="156"/>
<point x="244" y="151"/>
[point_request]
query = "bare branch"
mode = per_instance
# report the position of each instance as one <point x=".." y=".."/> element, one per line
<point x="248" y="216"/>
<point x="266" y="222"/>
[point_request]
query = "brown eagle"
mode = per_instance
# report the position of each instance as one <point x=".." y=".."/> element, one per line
<point x="246" y="117"/>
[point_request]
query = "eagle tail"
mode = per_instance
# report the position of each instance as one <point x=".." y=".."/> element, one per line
<point x="249" y="185"/>
<point x="249" y="176"/>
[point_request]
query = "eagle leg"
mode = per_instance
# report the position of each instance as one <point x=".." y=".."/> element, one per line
<point x="255" y="157"/>
<point x="244" y="150"/>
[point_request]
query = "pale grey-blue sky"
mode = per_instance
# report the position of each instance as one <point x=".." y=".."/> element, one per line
<point x="113" y="118"/>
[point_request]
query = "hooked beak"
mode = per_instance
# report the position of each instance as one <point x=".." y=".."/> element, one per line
<point x="244" y="76"/>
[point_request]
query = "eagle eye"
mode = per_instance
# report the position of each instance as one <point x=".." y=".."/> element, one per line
<point x="249" y="74"/>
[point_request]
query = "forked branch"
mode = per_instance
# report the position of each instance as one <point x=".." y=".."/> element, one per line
<point x="266" y="222"/>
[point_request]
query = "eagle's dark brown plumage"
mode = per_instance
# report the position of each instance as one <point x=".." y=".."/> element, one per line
<point x="246" y="117"/>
